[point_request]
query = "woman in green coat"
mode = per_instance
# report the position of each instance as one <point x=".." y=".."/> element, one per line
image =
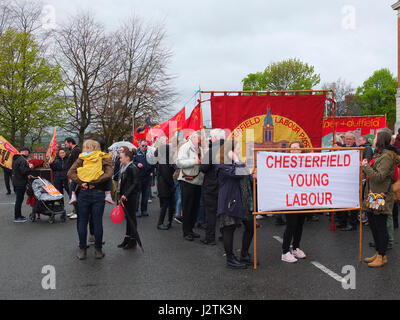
<point x="379" y="180"/>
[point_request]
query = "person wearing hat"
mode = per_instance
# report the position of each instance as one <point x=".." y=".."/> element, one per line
<point x="21" y="170"/>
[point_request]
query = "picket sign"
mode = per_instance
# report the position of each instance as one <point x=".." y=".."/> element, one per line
<point x="289" y="183"/>
<point x="49" y="188"/>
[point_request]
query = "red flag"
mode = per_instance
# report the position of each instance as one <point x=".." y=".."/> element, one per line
<point x="52" y="150"/>
<point x="7" y="152"/>
<point x="195" y="121"/>
<point x="139" y="136"/>
<point x="168" y="128"/>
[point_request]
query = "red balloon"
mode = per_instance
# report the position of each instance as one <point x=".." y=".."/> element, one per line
<point x="117" y="214"/>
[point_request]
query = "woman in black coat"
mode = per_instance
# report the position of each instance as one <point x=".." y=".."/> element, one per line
<point x="128" y="187"/>
<point x="60" y="168"/>
<point x="165" y="185"/>
<point x="233" y="203"/>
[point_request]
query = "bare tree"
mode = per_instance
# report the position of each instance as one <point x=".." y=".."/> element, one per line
<point x="341" y="89"/>
<point x="143" y="88"/>
<point x="85" y="54"/>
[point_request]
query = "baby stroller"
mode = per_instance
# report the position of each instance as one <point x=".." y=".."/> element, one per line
<point x="48" y="201"/>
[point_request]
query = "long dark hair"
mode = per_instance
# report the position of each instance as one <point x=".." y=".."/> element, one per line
<point x="383" y="139"/>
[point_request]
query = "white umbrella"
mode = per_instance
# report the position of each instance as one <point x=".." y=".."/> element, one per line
<point x="120" y="144"/>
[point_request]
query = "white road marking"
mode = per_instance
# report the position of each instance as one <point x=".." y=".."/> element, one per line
<point x="319" y="266"/>
<point x="328" y="272"/>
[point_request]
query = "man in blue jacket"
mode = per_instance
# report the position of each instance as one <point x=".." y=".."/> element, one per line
<point x="146" y="175"/>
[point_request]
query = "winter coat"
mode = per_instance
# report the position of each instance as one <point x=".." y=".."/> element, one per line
<point x="130" y="182"/>
<point x="59" y="167"/>
<point x="92" y="168"/>
<point x="117" y="167"/>
<point x="208" y="167"/>
<point x="187" y="161"/>
<point x="20" y="171"/>
<point x="229" y="195"/>
<point x="367" y="152"/>
<point x="147" y="168"/>
<point x="101" y="183"/>
<point x="73" y="156"/>
<point x="380" y="178"/>
<point x="165" y="172"/>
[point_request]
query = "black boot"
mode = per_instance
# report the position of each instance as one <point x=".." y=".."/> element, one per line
<point x="245" y="258"/>
<point x="232" y="262"/>
<point x="124" y="243"/>
<point x="131" y="244"/>
<point x="161" y="217"/>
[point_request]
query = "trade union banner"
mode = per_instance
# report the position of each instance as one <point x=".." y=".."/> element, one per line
<point x="7" y="151"/>
<point x="298" y="181"/>
<point x="269" y="121"/>
<point x="360" y="126"/>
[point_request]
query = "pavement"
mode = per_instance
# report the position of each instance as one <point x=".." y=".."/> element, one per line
<point x="174" y="269"/>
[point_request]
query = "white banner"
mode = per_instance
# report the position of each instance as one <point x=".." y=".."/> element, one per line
<point x="298" y="181"/>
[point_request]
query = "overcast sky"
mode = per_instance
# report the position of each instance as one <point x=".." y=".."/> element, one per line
<point x="216" y="43"/>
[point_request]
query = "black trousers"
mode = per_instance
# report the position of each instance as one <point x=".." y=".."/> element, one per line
<point x="293" y="231"/>
<point x="379" y="231"/>
<point x="167" y="204"/>
<point x="211" y="205"/>
<point x="19" y="199"/>
<point x="7" y="179"/>
<point x="130" y="215"/>
<point x="347" y="217"/>
<point x="247" y="237"/>
<point x="190" y="206"/>
<point x="61" y="184"/>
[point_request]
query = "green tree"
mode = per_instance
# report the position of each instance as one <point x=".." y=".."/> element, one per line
<point x="291" y="74"/>
<point x="30" y="88"/>
<point x="377" y="95"/>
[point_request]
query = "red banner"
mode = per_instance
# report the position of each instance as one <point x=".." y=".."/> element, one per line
<point x="365" y="125"/>
<point x="360" y="126"/>
<point x="276" y="120"/>
<point x="52" y="150"/>
<point x="169" y="127"/>
<point x="7" y="152"/>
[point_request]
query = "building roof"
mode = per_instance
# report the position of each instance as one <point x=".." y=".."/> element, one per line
<point x="396" y="6"/>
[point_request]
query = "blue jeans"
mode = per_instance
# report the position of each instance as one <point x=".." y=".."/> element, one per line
<point x="178" y="198"/>
<point x="90" y="202"/>
<point x="19" y="192"/>
<point x="144" y="192"/>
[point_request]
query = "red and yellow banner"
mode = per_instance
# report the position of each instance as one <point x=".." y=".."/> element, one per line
<point x="360" y="126"/>
<point x="52" y="150"/>
<point x="7" y="152"/>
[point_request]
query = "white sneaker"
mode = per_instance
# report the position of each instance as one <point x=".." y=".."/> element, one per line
<point x="150" y="201"/>
<point x="74" y="216"/>
<point x="288" y="257"/>
<point x="259" y="216"/>
<point x="109" y="199"/>
<point x="70" y="214"/>
<point x="73" y="199"/>
<point x="299" y="254"/>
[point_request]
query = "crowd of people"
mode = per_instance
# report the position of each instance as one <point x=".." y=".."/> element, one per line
<point x="202" y="181"/>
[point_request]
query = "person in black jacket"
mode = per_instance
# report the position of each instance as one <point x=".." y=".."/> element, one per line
<point x="367" y="152"/>
<point x="128" y="187"/>
<point x="165" y="185"/>
<point x="210" y="184"/>
<point x="75" y="151"/>
<point x="146" y="176"/>
<point x="21" y="172"/>
<point x="59" y="167"/>
<point x="233" y="210"/>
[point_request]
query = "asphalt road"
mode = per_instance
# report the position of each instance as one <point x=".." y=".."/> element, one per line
<point x="171" y="268"/>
